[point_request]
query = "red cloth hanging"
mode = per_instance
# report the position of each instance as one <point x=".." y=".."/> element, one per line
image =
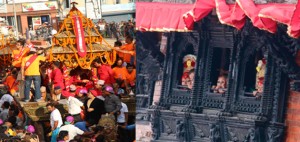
<point x="156" y="16"/>
<point x="294" y="26"/>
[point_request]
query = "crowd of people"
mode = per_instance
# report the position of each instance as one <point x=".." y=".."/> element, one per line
<point x="116" y="30"/>
<point x="89" y="94"/>
<point x="43" y="32"/>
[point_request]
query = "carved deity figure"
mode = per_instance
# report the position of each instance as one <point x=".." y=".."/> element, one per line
<point x="214" y="131"/>
<point x="180" y="130"/>
<point x="274" y="134"/>
<point x="260" y="76"/>
<point x="221" y="86"/>
<point x="189" y="62"/>
<point x="251" y="136"/>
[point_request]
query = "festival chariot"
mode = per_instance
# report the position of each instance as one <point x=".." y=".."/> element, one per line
<point x="76" y="44"/>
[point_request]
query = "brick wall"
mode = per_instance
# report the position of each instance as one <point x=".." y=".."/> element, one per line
<point x="24" y="23"/>
<point x="293" y="118"/>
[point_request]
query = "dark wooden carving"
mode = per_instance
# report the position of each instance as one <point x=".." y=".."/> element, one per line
<point x="200" y="115"/>
<point x="180" y="130"/>
<point x="232" y="135"/>
<point x="251" y="136"/>
<point x="275" y="134"/>
<point x="215" y="134"/>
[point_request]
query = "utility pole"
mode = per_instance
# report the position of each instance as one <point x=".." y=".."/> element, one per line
<point x="85" y="8"/>
<point x="97" y="4"/>
<point x="16" y="21"/>
<point x="100" y="8"/>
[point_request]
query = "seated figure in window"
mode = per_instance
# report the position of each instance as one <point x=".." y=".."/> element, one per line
<point x="191" y="78"/>
<point x="189" y="62"/>
<point x="260" y="76"/>
<point x="221" y="86"/>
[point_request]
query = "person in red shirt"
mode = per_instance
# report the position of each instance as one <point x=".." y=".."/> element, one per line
<point x="57" y="77"/>
<point x="94" y="77"/>
<point x="67" y="77"/>
<point x="104" y="72"/>
<point x="98" y="87"/>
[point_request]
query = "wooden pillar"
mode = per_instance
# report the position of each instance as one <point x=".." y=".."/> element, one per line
<point x="24" y="23"/>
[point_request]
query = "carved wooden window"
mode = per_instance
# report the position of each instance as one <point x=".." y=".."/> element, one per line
<point x="179" y="93"/>
<point x="254" y="71"/>
<point x="219" y="71"/>
<point x="185" y="65"/>
<point x="251" y="80"/>
<point x="217" y="68"/>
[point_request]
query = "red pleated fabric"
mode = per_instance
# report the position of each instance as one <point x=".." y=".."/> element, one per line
<point x="181" y="17"/>
<point x="157" y="16"/>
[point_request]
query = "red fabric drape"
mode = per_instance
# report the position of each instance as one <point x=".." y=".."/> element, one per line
<point x="263" y="16"/>
<point x="230" y="14"/>
<point x="294" y="25"/>
<point x="181" y="17"/>
<point x="156" y="16"/>
<point x="252" y="11"/>
<point x="201" y="9"/>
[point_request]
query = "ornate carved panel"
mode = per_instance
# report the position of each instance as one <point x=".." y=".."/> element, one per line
<point x="250" y="106"/>
<point x="213" y="101"/>
<point x="201" y="131"/>
<point x="179" y="96"/>
<point x="274" y="134"/>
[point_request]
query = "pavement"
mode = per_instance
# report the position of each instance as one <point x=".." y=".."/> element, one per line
<point x="111" y="41"/>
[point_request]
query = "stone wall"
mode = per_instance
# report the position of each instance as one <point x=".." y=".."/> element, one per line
<point x="143" y="131"/>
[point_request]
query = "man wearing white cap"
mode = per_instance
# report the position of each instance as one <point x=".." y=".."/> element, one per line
<point x="72" y="90"/>
<point x="30" y="71"/>
<point x="74" y="105"/>
<point x="98" y="88"/>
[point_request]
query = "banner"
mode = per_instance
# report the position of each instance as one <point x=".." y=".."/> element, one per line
<point x="36" y="21"/>
<point x="79" y="33"/>
<point x="23" y="1"/>
<point x="50" y="5"/>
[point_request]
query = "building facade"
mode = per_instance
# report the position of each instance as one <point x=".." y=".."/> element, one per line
<point x="30" y="14"/>
<point x="241" y="111"/>
<point x="111" y="10"/>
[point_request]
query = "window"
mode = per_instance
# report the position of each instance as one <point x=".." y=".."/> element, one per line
<point x="11" y="21"/>
<point x="66" y="4"/>
<point x="219" y="70"/>
<point x="254" y="75"/>
<point x="181" y="57"/>
<point x="186" y="68"/>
